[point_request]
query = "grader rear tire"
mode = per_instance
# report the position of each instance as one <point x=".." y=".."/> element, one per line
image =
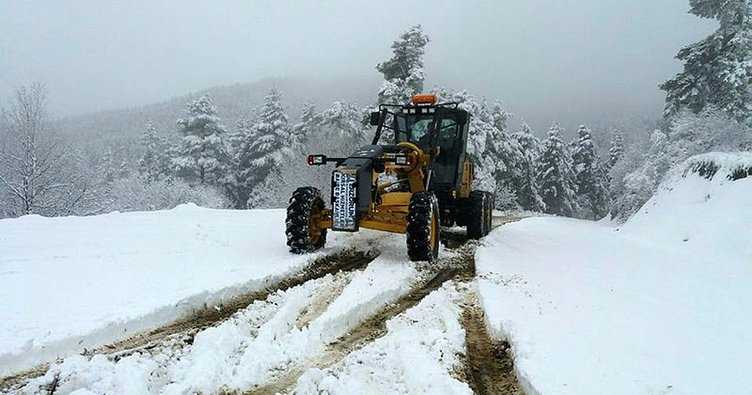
<point x="423" y="227"/>
<point x="478" y="211"/>
<point x="303" y="214"/>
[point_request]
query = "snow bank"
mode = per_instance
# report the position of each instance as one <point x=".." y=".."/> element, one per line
<point x="72" y="283"/>
<point x="657" y="306"/>
<point x="702" y="207"/>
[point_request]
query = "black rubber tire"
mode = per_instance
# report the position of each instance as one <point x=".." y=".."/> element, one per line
<point x="423" y="218"/>
<point x="304" y="203"/>
<point x="490" y="203"/>
<point x="476" y="215"/>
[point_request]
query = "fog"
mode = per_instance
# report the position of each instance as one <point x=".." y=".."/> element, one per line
<point x="568" y="60"/>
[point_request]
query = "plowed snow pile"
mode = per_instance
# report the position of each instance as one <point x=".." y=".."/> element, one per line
<point x="659" y="305"/>
<point x="72" y="283"/>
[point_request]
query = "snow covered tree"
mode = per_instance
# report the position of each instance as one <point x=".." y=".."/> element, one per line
<point x="403" y="73"/>
<point x="153" y="163"/>
<point x="616" y="151"/>
<point x="201" y="156"/>
<point x="305" y="128"/>
<point x="106" y="166"/>
<point x="717" y="70"/>
<point x="555" y="176"/>
<point x="527" y="189"/>
<point x="589" y="175"/>
<point x="709" y="130"/>
<point x="239" y="180"/>
<point x="507" y="155"/>
<point x="638" y="185"/>
<point x="270" y="145"/>
<point x="38" y="171"/>
<point x="500" y="116"/>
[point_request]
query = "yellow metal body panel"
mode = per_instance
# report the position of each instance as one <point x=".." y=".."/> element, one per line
<point x="394" y="220"/>
<point x="388" y="221"/>
<point x="395" y="199"/>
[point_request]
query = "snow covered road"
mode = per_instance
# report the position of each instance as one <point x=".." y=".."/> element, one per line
<point x="303" y="338"/>
<point x="70" y="284"/>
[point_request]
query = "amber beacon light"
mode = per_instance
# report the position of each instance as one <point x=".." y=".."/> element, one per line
<point x="425" y="99"/>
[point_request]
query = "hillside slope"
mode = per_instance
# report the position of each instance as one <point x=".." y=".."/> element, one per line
<point x="117" y="128"/>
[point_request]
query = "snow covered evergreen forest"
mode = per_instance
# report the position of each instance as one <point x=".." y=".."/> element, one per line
<point x="254" y="157"/>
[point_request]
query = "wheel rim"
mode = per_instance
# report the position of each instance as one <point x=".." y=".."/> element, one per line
<point x="434" y="231"/>
<point x="314" y="231"/>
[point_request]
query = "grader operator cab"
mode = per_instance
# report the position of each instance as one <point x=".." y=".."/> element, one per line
<point x="414" y="186"/>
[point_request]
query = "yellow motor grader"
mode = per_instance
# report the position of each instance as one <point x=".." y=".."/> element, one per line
<point x="414" y="186"/>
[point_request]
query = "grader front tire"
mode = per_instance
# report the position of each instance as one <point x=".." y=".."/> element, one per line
<point x="423" y="227"/>
<point x="303" y="216"/>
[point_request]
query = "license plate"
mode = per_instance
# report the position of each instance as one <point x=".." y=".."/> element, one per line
<point x="344" y="200"/>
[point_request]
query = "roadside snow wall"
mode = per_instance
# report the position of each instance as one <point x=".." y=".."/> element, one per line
<point x="701" y="205"/>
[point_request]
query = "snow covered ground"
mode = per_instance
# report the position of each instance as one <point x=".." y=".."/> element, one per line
<point x="422" y="345"/>
<point x="260" y="344"/>
<point x="657" y="306"/>
<point x="72" y="283"/>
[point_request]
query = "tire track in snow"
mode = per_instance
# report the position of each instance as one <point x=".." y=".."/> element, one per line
<point x="459" y="267"/>
<point x="489" y="364"/>
<point x="345" y="261"/>
<point x="364" y="333"/>
<point x="182" y="332"/>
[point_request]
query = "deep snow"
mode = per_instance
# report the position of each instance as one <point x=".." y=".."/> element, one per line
<point x="421" y="347"/>
<point x="260" y="343"/>
<point x="659" y="305"/>
<point x="72" y="283"/>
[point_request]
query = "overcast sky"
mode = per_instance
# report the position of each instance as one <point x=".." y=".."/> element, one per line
<point x="544" y="58"/>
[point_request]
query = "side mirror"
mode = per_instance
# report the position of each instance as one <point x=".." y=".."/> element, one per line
<point x="375" y="118"/>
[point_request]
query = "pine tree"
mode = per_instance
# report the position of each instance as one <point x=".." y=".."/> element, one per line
<point x="589" y="174"/>
<point x="304" y="129"/>
<point x="528" y="195"/>
<point x="271" y="138"/>
<point x="616" y="151"/>
<point x="403" y="73"/>
<point x="201" y="156"/>
<point x="240" y="181"/>
<point x="153" y="163"/>
<point x="106" y="166"/>
<point x="555" y="176"/>
<point x="507" y="155"/>
<point x="717" y="70"/>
